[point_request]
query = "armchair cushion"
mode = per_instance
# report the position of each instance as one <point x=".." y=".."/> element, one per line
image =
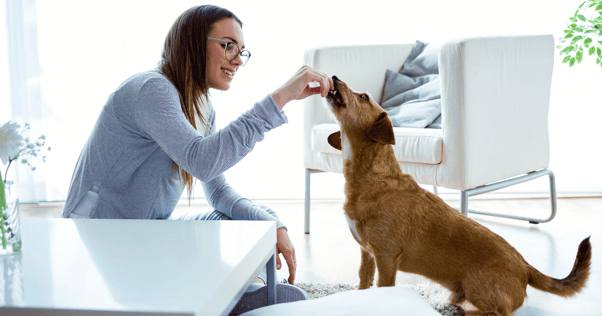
<point x="412" y="97"/>
<point x="412" y="145"/>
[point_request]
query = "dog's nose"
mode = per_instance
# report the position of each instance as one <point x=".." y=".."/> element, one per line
<point x="335" y="78"/>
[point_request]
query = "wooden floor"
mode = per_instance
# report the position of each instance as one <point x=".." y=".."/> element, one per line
<point x="330" y="255"/>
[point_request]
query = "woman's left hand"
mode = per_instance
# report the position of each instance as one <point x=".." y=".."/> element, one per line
<point x="285" y="247"/>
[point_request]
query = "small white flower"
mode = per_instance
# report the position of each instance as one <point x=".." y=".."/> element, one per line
<point x="10" y="141"/>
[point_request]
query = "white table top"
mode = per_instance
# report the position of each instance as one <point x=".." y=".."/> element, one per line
<point x="187" y="267"/>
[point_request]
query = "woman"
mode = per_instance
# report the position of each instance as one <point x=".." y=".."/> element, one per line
<point x="156" y="133"/>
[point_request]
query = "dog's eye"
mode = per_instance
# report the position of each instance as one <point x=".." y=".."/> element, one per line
<point x="365" y="97"/>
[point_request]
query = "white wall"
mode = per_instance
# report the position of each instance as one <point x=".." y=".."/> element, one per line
<point x="88" y="48"/>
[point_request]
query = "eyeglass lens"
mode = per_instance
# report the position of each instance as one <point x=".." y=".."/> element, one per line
<point x="232" y="51"/>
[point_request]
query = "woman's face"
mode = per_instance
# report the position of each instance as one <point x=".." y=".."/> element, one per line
<point x="220" y="70"/>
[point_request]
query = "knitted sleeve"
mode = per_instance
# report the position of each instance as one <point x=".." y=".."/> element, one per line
<point x="161" y="119"/>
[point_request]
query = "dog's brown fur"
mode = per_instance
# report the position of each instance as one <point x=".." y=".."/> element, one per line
<point x="403" y="227"/>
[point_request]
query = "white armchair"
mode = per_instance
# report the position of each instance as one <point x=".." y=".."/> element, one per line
<point x="495" y="93"/>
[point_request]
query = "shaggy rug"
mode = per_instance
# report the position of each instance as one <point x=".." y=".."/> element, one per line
<point x="434" y="294"/>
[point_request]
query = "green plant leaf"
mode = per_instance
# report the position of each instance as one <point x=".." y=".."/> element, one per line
<point x="566" y="59"/>
<point x="568" y="49"/>
<point x="573" y="26"/>
<point x="572" y="62"/>
<point x="573" y="20"/>
<point x="576" y="38"/>
<point x="599" y="51"/>
<point x="569" y="35"/>
<point x="599" y="7"/>
<point x="581" y="17"/>
<point x="592" y="50"/>
<point x="587" y="41"/>
<point x="579" y="57"/>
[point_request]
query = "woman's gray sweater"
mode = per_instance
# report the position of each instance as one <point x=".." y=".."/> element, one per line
<point x="141" y="129"/>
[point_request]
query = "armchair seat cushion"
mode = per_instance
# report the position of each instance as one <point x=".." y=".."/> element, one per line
<point x="412" y="145"/>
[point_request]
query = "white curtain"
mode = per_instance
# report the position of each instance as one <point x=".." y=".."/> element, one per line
<point x="24" y="92"/>
<point x="64" y="57"/>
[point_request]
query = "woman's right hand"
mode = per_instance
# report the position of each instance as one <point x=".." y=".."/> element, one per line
<point x="297" y="88"/>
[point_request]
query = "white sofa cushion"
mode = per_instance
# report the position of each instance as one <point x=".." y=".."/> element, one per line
<point x="414" y="145"/>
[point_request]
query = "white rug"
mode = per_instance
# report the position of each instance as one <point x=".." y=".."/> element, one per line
<point x="434" y="294"/>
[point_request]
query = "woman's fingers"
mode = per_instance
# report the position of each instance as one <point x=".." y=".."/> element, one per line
<point x="312" y="75"/>
<point x="285" y="246"/>
<point x="278" y="264"/>
<point x="298" y="87"/>
<point x="314" y="90"/>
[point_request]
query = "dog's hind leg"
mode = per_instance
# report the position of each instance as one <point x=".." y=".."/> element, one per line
<point x="367" y="269"/>
<point x="494" y="300"/>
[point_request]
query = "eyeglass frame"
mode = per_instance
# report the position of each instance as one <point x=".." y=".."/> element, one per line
<point x="240" y="51"/>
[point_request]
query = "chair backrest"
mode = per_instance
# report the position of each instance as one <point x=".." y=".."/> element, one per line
<point x="495" y="94"/>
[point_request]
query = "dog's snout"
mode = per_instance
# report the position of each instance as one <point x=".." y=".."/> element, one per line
<point x="335" y="78"/>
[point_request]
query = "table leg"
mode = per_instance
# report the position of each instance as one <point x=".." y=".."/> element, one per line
<point x="271" y="279"/>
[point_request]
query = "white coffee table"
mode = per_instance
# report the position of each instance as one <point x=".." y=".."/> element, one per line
<point x="104" y="267"/>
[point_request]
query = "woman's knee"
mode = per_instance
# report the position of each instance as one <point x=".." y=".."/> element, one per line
<point x="217" y="216"/>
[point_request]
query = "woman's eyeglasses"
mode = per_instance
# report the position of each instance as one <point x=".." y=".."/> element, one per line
<point x="231" y="51"/>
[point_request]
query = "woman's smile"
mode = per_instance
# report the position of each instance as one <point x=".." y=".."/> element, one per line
<point x="229" y="72"/>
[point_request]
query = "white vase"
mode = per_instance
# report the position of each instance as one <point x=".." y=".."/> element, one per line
<point x="10" y="222"/>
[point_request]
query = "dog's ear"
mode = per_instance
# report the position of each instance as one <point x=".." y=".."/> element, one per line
<point x="334" y="140"/>
<point x="382" y="130"/>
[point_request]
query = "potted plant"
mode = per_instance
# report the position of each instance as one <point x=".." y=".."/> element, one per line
<point x="583" y="35"/>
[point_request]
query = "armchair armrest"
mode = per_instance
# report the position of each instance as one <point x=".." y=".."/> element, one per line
<point x="495" y="94"/>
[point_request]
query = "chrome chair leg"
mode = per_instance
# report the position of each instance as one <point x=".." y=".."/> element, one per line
<point x="506" y="183"/>
<point x="308" y="173"/>
<point x="307" y="179"/>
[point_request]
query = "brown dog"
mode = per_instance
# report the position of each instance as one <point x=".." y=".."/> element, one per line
<point x="400" y="226"/>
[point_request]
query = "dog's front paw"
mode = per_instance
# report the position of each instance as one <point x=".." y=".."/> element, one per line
<point x="364" y="285"/>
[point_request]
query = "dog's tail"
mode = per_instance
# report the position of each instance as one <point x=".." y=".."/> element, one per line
<point x="574" y="282"/>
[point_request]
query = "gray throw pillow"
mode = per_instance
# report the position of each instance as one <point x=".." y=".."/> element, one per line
<point x="423" y="60"/>
<point x="412" y="97"/>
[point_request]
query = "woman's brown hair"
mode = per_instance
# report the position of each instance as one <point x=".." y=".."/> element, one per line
<point x="184" y="63"/>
